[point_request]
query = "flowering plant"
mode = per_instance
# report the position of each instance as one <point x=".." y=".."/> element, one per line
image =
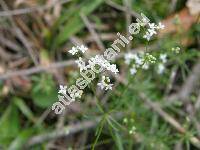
<point x="100" y="63"/>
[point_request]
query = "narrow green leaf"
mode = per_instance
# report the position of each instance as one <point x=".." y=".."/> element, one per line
<point x="118" y="141"/>
<point x="9" y="125"/>
<point x="24" y="108"/>
<point x="21" y="139"/>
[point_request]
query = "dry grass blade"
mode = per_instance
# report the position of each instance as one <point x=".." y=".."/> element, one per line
<point x="187" y="88"/>
<point x="68" y="130"/>
<point x="21" y="35"/>
<point x="121" y="8"/>
<point x="93" y="32"/>
<point x="128" y="5"/>
<point x="29" y="10"/>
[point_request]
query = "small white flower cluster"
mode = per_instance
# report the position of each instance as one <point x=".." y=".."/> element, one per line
<point x="163" y="58"/>
<point x="63" y="91"/>
<point x="81" y="64"/>
<point x="76" y="49"/>
<point x="152" y="30"/>
<point x="102" y="62"/>
<point x="105" y="83"/>
<point x="88" y="71"/>
<point x="139" y="60"/>
<point x="98" y="59"/>
<point x="161" y="65"/>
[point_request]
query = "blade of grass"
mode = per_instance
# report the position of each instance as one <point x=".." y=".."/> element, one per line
<point x="24" y="109"/>
<point x="74" y="22"/>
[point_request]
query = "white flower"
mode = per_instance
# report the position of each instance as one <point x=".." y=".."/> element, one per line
<point x="73" y="51"/>
<point x="147" y="36"/>
<point x="145" y="66"/>
<point x="82" y="48"/>
<point x="152" y="31"/>
<point x="128" y="57"/>
<point x="144" y="21"/>
<point x="90" y="64"/>
<point x="139" y="61"/>
<point x="75" y="95"/>
<point x="101" y="85"/>
<point x="108" y="87"/>
<point x="113" y="68"/>
<point x="105" y="83"/>
<point x="161" y="68"/>
<point x="100" y="60"/>
<point x="79" y="94"/>
<point x="152" y="25"/>
<point x="133" y="70"/>
<point x="81" y="64"/>
<point x="160" y="26"/>
<point x="63" y="89"/>
<point x="163" y="58"/>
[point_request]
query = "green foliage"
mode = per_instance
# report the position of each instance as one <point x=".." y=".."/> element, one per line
<point x="9" y="125"/>
<point x="44" y="92"/>
<point x="24" y="108"/>
<point x="74" y="22"/>
<point x="21" y="139"/>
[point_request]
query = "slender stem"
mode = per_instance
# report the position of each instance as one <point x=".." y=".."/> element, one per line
<point x="97" y="100"/>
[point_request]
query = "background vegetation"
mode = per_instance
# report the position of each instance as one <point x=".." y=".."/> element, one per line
<point x="145" y="111"/>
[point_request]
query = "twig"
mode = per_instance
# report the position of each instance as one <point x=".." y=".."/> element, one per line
<point x="61" y="120"/>
<point x="36" y="69"/>
<point x="71" y="129"/>
<point x="157" y="108"/>
<point x="20" y="35"/>
<point x="121" y="8"/>
<point x="93" y="32"/>
<point x="76" y="41"/>
<point x="197" y="104"/>
<point x="171" y="80"/>
<point x="29" y="10"/>
<point x="9" y="44"/>
<point x="173" y="6"/>
<point x="4" y="55"/>
<point x="103" y="36"/>
<point x="188" y="86"/>
<point x="178" y="146"/>
<point x="68" y="130"/>
<point x="128" y="5"/>
<point x="43" y="116"/>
